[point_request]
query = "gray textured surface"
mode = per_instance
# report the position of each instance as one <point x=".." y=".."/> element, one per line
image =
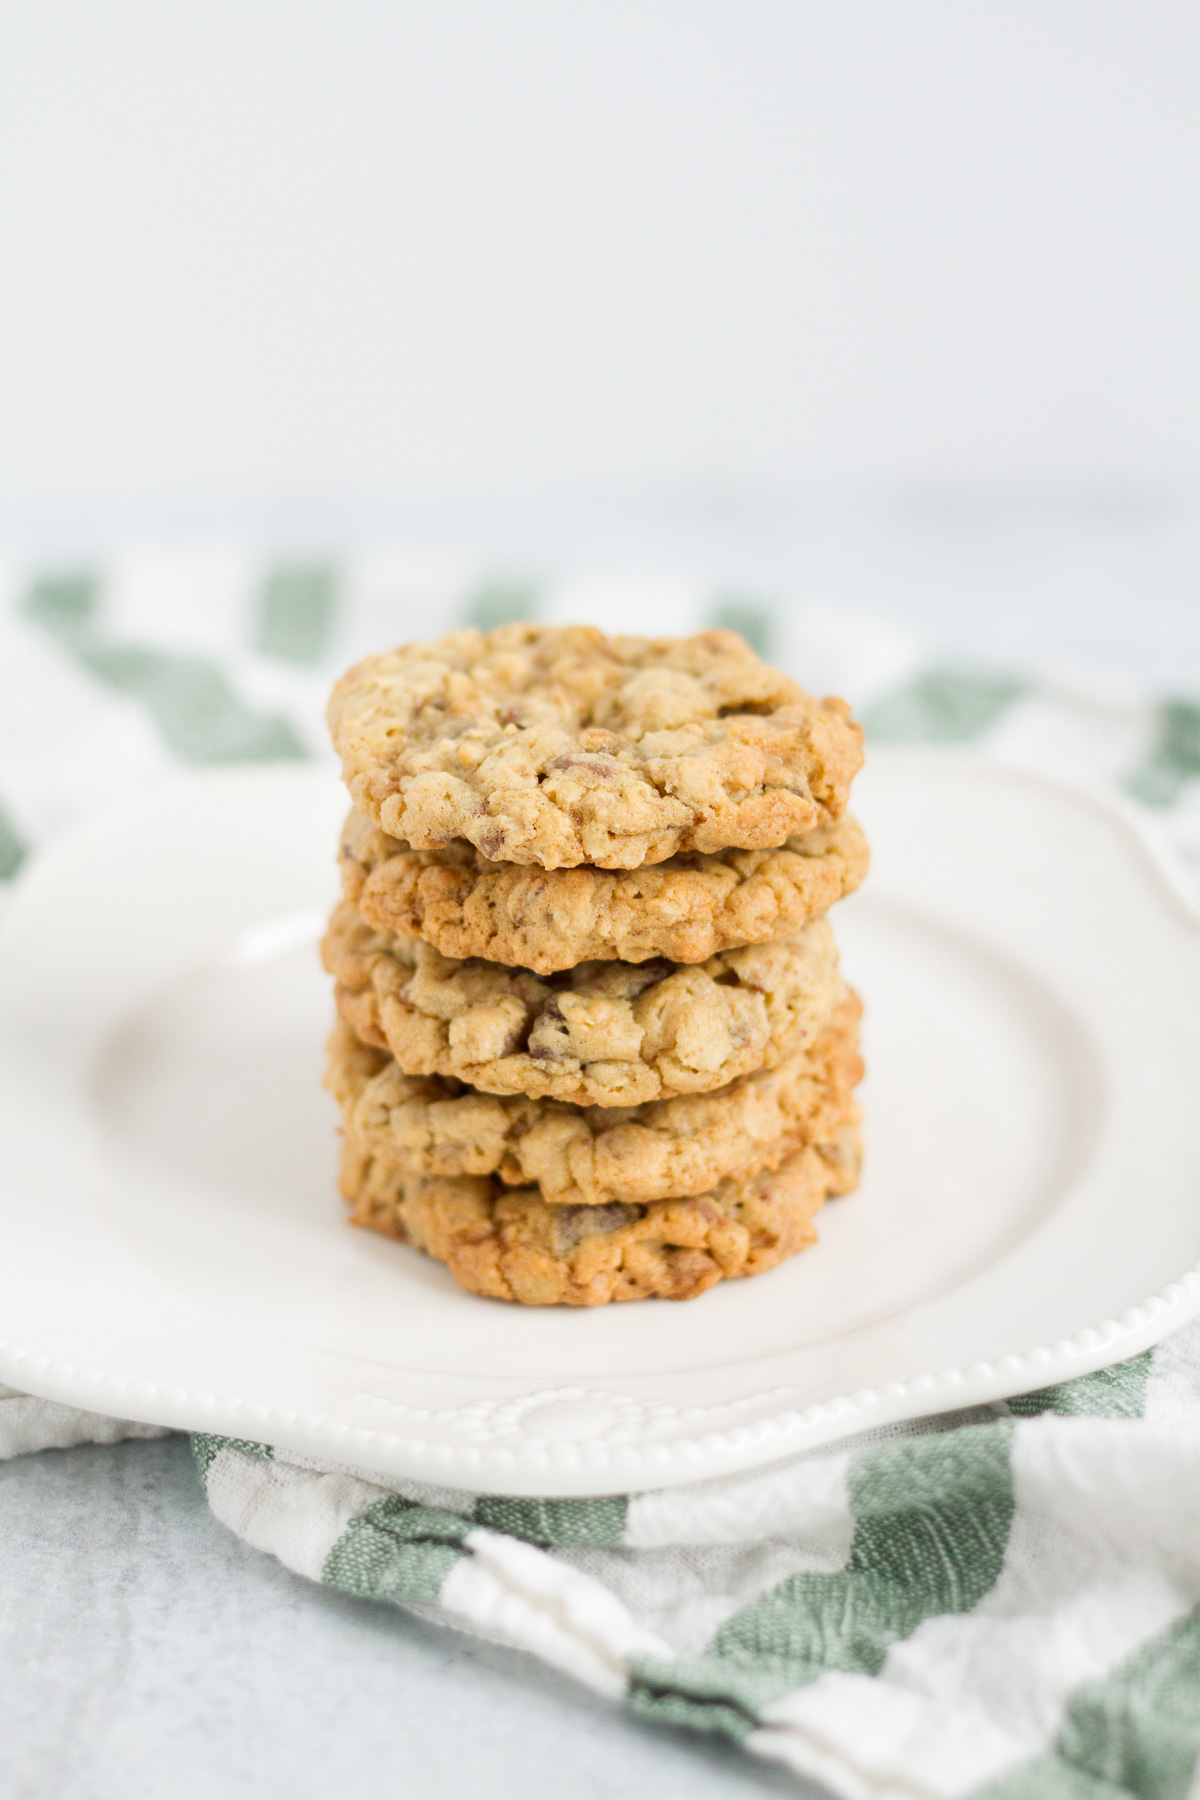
<point x="147" y="1651"/>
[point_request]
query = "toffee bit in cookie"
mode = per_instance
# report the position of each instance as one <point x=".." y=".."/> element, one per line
<point x="571" y="1224"/>
<point x="549" y="1039"/>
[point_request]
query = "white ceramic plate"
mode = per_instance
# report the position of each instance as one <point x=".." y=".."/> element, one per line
<point x="174" y="1249"/>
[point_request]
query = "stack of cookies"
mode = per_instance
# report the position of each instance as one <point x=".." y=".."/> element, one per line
<point x="592" y="1040"/>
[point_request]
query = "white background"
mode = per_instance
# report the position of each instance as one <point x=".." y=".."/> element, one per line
<point x="326" y="251"/>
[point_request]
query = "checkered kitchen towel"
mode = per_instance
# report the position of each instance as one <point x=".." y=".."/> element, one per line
<point x="1001" y="1603"/>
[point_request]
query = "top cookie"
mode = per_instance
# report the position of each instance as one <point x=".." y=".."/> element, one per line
<point x="556" y="745"/>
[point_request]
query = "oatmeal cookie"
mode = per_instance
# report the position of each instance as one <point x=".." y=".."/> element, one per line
<point x="558" y="746"/>
<point x="591" y="1156"/>
<point x="514" y="1246"/>
<point x="686" y="909"/>
<point x="604" y="1034"/>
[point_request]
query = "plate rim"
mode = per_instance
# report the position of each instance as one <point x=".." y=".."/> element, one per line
<point x="568" y="1470"/>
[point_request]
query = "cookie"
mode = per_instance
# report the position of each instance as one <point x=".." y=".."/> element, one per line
<point x="591" y="1156"/>
<point x="514" y="1246"/>
<point x="605" y="1034"/>
<point x="686" y="909"/>
<point x="557" y="746"/>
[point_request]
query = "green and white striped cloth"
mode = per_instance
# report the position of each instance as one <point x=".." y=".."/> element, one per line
<point x="1003" y="1603"/>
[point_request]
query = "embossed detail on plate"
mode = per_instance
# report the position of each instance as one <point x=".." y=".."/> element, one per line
<point x="571" y="1414"/>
